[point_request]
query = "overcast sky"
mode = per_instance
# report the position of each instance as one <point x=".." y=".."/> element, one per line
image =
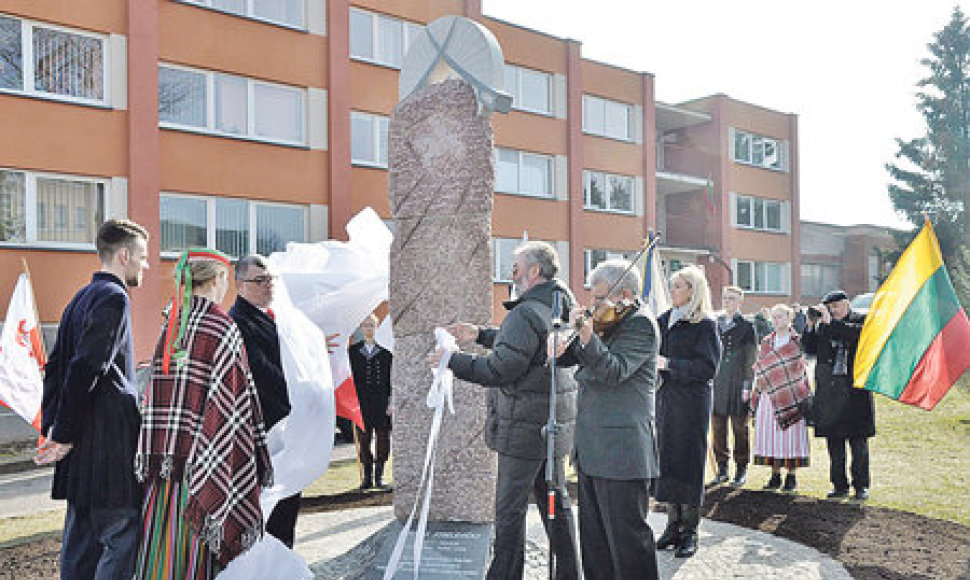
<point x="847" y="68"/>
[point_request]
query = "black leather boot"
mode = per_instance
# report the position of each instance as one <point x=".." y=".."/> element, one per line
<point x="368" y="476"/>
<point x="688" y="540"/>
<point x="671" y="536"/>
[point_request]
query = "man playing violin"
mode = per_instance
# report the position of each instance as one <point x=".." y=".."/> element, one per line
<point x="614" y="452"/>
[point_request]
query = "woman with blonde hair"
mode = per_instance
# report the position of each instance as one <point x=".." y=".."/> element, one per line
<point x="202" y="451"/>
<point x="689" y="354"/>
<point x="780" y="433"/>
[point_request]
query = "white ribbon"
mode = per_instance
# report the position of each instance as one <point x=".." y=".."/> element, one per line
<point x="439" y="394"/>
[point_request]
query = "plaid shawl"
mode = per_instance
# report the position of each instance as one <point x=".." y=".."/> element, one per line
<point x="780" y="374"/>
<point x="202" y="421"/>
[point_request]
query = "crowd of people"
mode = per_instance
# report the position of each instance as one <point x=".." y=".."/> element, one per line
<point x="166" y="484"/>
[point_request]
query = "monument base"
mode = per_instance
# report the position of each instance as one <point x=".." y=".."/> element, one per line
<point x="452" y="550"/>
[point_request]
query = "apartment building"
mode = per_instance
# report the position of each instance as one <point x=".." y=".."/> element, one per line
<point x="245" y="124"/>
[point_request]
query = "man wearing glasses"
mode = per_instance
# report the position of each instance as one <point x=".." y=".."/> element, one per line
<point x="255" y="285"/>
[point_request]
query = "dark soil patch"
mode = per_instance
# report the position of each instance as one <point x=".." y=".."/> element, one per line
<point x="873" y="543"/>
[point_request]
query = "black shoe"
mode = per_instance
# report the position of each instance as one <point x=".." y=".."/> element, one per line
<point x="861" y="494"/>
<point x="670" y="538"/>
<point x="721" y="477"/>
<point x="379" y="476"/>
<point x="740" y="478"/>
<point x="688" y="546"/>
<point x="791" y="484"/>
<point x="368" y="477"/>
<point x="773" y="483"/>
<point x="838" y="494"/>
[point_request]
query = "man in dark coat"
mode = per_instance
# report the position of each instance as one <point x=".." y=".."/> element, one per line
<point x="615" y="451"/>
<point x="842" y="413"/>
<point x="518" y="407"/>
<point x="739" y="350"/>
<point x="90" y="413"/>
<point x="371" y="367"/>
<point x="256" y="322"/>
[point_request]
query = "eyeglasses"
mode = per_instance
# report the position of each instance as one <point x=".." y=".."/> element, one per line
<point x="262" y="280"/>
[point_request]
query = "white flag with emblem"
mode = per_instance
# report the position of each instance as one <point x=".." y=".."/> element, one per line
<point x="22" y="356"/>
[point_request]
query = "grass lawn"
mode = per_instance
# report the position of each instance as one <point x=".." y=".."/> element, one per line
<point x="920" y="461"/>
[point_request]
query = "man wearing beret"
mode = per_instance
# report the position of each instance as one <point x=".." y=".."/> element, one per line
<point x="843" y="414"/>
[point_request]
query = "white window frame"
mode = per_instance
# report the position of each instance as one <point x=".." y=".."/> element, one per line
<point x="251" y="206"/>
<point x="30" y="208"/>
<point x="516" y="91"/>
<point x="755" y="140"/>
<point x="250" y="13"/>
<point x="784" y="275"/>
<point x="210" y="105"/>
<point x="376" y="122"/>
<point x="765" y="202"/>
<point x="591" y="100"/>
<point x="587" y="204"/>
<point x="27" y="27"/>
<point x="588" y="264"/>
<point x="521" y="156"/>
<point x="408" y="30"/>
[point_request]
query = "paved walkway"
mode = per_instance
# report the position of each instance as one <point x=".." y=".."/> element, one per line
<point x="331" y="543"/>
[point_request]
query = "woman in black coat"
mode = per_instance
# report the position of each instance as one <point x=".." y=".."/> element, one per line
<point x="689" y="354"/>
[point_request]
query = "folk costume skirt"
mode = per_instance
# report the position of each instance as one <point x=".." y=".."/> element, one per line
<point x="170" y="549"/>
<point x="779" y="447"/>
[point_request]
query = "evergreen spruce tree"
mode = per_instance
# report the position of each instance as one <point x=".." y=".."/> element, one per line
<point x="932" y="172"/>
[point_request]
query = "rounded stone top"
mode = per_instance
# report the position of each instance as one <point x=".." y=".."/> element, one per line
<point x="457" y="47"/>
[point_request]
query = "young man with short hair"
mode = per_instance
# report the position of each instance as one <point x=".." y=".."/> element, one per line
<point x="90" y="413"/>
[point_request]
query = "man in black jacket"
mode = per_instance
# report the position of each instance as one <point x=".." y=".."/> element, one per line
<point x="518" y="407"/>
<point x="370" y="364"/>
<point x="843" y="414"/>
<point x="257" y="324"/>
<point x="90" y="413"/>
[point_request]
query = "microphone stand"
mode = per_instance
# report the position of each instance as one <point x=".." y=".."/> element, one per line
<point x="549" y="431"/>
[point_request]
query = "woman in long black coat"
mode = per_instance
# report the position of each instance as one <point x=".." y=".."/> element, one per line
<point x="689" y="354"/>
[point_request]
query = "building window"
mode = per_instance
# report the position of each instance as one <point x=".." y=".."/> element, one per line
<point x="607" y="192"/>
<point x="523" y="173"/>
<point x="286" y="12"/>
<point x="757" y="150"/>
<point x="43" y="60"/>
<point x="759" y="214"/>
<point x="531" y="90"/>
<point x="39" y="208"/>
<point x="761" y="277"/>
<point x="368" y="139"/>
<point x="593" y="257"/>
<point x="234" y="226"/>
<point x="230" y="105"/>
<point x="817" y="279"/>
<point x="380" y="39"/>
<point x="607" y="118"/>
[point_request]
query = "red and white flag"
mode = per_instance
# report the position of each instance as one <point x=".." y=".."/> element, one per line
<point x="22" y="356"/>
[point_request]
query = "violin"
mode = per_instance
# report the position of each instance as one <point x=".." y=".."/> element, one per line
<point x="606" y="315"/>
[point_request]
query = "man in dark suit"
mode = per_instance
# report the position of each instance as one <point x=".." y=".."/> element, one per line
<point x="90" y="413"/>
<point x="371" y="367"/>
<point x="615" y="450"/>
<point x="256" y="321"/>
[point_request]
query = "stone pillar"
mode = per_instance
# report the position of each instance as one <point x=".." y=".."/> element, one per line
<point x="440" y="189"/>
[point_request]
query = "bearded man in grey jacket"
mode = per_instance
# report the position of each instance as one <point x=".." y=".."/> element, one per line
<point x="518" y="379"/>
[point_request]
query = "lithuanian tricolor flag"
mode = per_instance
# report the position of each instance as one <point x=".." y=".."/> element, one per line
<point x="916" y="340"/>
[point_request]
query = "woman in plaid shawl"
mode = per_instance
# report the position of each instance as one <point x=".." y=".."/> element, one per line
<point x="202" y="450"/>
<point x="781" y="435"/>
